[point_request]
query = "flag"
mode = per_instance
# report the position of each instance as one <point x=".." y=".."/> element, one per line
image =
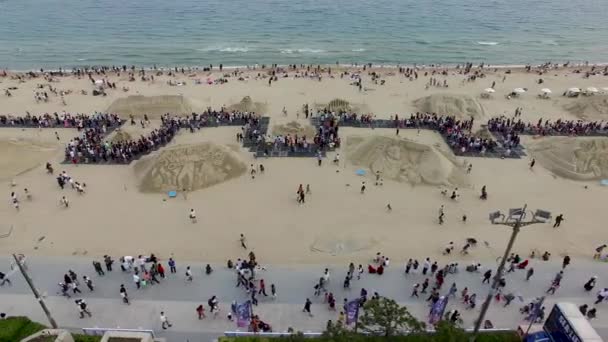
<point x="352" y="311"/>
<point x="243" y="314"/>
<point x="437" y="309"/>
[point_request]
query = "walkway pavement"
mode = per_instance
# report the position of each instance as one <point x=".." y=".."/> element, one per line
<point x="294" y="284"/>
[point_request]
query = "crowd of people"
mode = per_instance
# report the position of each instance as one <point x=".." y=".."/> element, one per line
<point x="509" y="127"/>
<point x="63" y="120"/>
<point x="457" y="133"/>
<point x="91" y="147"/>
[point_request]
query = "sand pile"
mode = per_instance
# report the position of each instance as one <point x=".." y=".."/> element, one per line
<point x="21" y="155"/>
<point x="248" y="105"/>
<point x="592" y="107"/>
<point x="406" y="161"/>
<point x="293" y="128"/>
<point x="153" y="106"/>
<point x="461" y="106"/>
<point x="190" y="167"/>
<point x="120" y="136"/>
<point x="573" y="158"/>
<point x="341" y="245"/>
<point x="341" y="105"/>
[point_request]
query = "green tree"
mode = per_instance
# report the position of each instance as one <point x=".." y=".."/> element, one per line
<point x="447" y="331"/>
<point x="385" y="317"/>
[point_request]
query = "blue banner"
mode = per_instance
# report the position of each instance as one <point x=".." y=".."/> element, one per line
<point x="243" y="314"/>
<point x="437" y="310"/>
<point x="352" y="311"/>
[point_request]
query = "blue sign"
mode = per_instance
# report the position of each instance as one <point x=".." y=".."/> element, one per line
<point x="437" y="310"/>
<point x="352" y="311"/>
<point x="559" y="328"/>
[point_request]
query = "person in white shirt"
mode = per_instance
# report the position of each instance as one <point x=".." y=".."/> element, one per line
<point x="192" y="215"/>
<point x="136" y="280"/>
<point x="164" y="321"/>
<point x="188" y="274"/>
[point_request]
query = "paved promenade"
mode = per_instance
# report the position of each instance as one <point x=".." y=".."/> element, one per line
<point x="179" y="298"/>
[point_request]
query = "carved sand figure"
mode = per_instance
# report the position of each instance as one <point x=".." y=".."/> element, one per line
<point x="462" y="106"/>
<point x="407" y="161"/>
<point x="573" y="158"/>
<point x="190" y="167"/>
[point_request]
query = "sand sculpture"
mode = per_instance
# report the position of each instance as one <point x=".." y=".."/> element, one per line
<point x="589" y="108"/>
<point x="403" y="160"/>
<point x="248" y="105"/>
<point x="292" y="128"/>
<point x="462" y="106"/>
<point x="574" y="158"/>
<point x="190" y="167"/>
<point x="153" y="106"/>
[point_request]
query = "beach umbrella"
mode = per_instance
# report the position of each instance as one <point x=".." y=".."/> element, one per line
<point x="489" y="90"/>
<point x="592" y="90"/>
<point x="574" y="90"/>
<point x="98" y="81"/>
<point x="546" y="90"/>
<point x="360" y="172"/>
<point x="519" y="90"/>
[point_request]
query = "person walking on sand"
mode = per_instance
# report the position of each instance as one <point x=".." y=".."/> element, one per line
<point x="441" y="214"/>
<point x="558" y="220"/>
<point x="64" y="202"/>
<point x="307" y="306"/>
<point x="192" y="216"/>
<point x="164" y="321"/>
<point x="532" y="163"/>
<point x="15" y="200"/>
<point x="242" y="239"/>
<point x="123" y="294"/>
<point x="362" y="187"/>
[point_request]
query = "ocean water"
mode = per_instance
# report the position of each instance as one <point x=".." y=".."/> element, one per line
<point x="67" y="33"/>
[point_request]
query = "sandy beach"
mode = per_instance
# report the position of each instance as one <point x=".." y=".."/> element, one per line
<point x="126" y="211"/>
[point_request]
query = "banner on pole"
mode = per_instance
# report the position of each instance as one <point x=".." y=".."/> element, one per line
<point x="243" y="314"/>
<point x="438" y="309"/>
<point x="352" y="311"/>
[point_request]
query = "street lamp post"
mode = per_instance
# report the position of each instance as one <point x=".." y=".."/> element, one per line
<point x="515" y="221"/>
<point x="35" y="291"/>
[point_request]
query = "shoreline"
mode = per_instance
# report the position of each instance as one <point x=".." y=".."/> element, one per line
<point x="271" y="66"/>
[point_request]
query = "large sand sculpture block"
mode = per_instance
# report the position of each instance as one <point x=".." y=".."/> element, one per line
<point x="406" y="161"/>
<point x="50" y="335"/>
<point x="589" y="108"/>
<point x="190" y="167"/>
<point x="294" y="128"/>
<point x="153" y="106"/>
<point x="461" y="106"/>
<point x="583" y="159"/>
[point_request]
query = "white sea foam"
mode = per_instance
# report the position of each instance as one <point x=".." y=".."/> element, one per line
<point x="487" y="43"/>
<point x="225" y="49"/>
<point x="304" y="50"/>
<point x="358" y="50"/>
